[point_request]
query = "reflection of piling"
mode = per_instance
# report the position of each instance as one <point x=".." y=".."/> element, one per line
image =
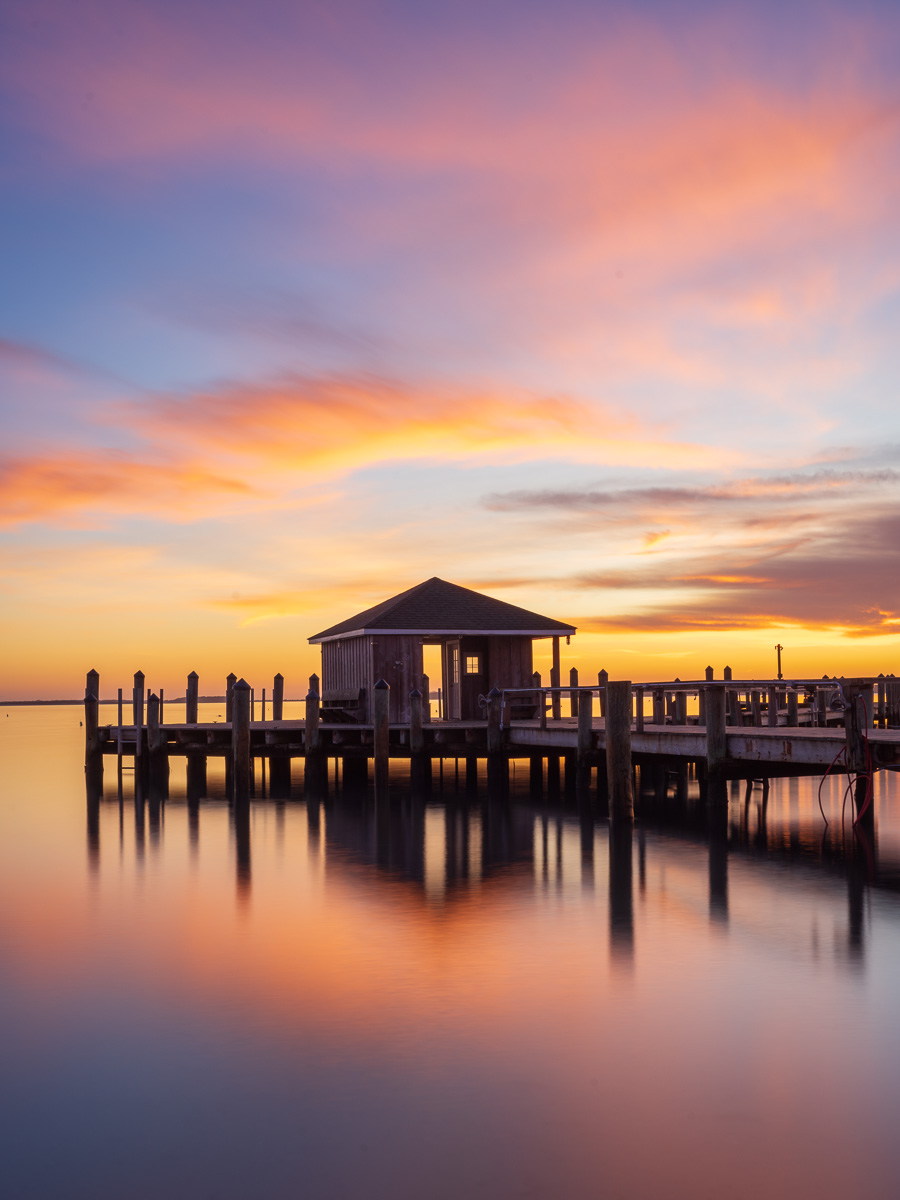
<point x="420" y="764"/>
<point x="859" y="699"/>
<point x="240" y="739"/>
<point x="621" y="906"/>
<point x="618" y="750"/>
<point x="718" y="861"/>
<point x="381" y="734"/>
<point x="241" y="818"/>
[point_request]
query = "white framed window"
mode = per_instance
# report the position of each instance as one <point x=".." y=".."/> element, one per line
<point x="473" y="664"/>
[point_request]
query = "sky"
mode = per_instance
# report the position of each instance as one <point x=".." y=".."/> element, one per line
<point x="590" y="306"/>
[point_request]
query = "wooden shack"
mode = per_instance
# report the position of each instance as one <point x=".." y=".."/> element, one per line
<point x="484" y="642"/>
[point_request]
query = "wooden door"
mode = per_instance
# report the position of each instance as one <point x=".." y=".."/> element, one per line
<point x="451" y="676"/>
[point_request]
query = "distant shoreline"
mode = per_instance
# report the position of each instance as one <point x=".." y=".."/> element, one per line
<point x="125" y="701"/>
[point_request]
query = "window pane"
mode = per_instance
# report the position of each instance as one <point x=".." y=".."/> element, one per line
<point x="473" y="664"/>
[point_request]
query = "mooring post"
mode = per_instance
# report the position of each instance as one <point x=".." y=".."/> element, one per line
<point x="138" y="699"/>
<point x="659" y="706"/>
<point x="681" y="708"/>
<point x="756" y="707"/>
<point x="793" y="713"/>
<point x="893" y="694"/>
<point x="278" y="697"/>
<point x="710" y="674"/>
<point x="772" y="715"/>
<point x="726" y="674"/>
<point x="230" y="681"/>
<point x="618" y="750"/>
<point x="93" y="756"/>
<point x="573" y="691"/>
<point x="240" y="738"/>
<point x="555" y="704"/>
<point x="716" y="745"/>
<point x="638" y="710"/>
<point x="382" y="734"/>
<point x="192" y="699"/>
<point x="156" y="745"/>
<point x="497" y="764"/>
<point x="858" y="696"/>
<point x="881" y="701"/>
<point x="426" y="700"/>
<point x="119" y="727"/>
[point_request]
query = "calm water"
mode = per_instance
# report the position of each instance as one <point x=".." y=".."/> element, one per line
<point x="477" y="999"/>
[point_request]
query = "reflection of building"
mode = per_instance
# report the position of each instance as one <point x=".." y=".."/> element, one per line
<point x="484" y="643"/>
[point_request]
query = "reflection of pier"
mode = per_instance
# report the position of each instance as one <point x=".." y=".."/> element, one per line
<point x="439" y="852"/>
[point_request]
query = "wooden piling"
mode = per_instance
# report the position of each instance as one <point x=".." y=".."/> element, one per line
<point x="573" y="691"/>
<point x="426" y="700"/>
<point x="192" y="699"/>
<point x="793" y="714"/>
<point x="137" y="702"/>
<point x="659" y="706"/>
<point x="230" y="681"/>
<point x="382" y="734"/>
<point x="240" y="738"/>
<point x="726" y="674"/>
<point x="497" y="764"/>
<point x="681" y="708"/>
<point x="93" y="755"/>
<point x="585" y="744"/>
<point x="756" y="708"/>
<point x="416" y="732"/>
<point x="602" y="680"/>
<point x="858" y="696"/>
<point x="772" y="716"/>
<point x="715" y="738"/>
<point x="121" y="714"/>
<point x="881" y="701"/>
<point x="618" y="750"/>
<point x="278" y="697"/>
<point x="710" y="674"/>
<point x="555" y="702"/>
<point x="639" y="710"/>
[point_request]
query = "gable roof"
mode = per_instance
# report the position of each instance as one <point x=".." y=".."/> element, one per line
<point x="436" y="607"/>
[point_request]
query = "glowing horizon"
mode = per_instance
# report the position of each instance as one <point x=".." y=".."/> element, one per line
<point x="593" y="310"/>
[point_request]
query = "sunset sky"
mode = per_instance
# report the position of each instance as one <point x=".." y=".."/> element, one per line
<point x="591" y="306"/>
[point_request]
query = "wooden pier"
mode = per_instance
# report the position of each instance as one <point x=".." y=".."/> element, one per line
<point x="742" y="729"/>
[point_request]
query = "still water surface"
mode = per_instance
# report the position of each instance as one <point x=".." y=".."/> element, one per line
<point x="459" y="998"/>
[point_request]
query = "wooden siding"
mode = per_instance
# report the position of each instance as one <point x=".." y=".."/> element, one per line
<point x="345" y="666"/>
<point x="510" y="662"/>
<point x="397" y="658"/>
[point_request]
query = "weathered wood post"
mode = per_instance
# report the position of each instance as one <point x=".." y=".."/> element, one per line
<point x="732" y="712"/>
<point x="893" y="716"/>
<point x="602" y="680"/>
<point x="162" y="706"/>
<point x="638" y="710"/>
<point x="555" y="703"/>
<point x="710" y="674"/>
<point x="93" y="755"/>
<point x="756" y="707"/>
<point x="726" y="674"/>
<point x="230" y="681"/>
<point x="240" y="738"/>
<point x="278" y="697"/>
<point x="263" y="709"/>
<point x="659" y="706"/>
<point x="793" y="714"/>
<point x="382" y="734"/>
<point x="138" y="699"/>
<point x="858" y="695"/>
<point x="881" y="709"/>
<point x="119" y="726"/>
<point x="772" y="715"/>
<point x="416" y="719"/>
<point x="192" y="699"/>
<point x="573" y="691"/>
<point x="681" y="708"/>
<point x="585" y="739"/>
<point x="426" y="700"/>
<point x="498" y="767"/>
<point x="618" y="750"/>
<point x="716" y="745"/>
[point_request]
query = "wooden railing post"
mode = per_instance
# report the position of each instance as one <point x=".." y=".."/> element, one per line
<point x="230" y="681"/>
<point x="793" y="715"/>
<point x="416" y="732"/>
<point x="426" y="700"/>
<point x="240" y="738"/>
<point x="382" y="734"/>
<point x="585" y="732"/>
<point x="618" y="750"/>
<point x="602" y="680"/>
<point x="772" y="716"/>
<point x="639" y="710"/>
<point x="659" y="706"/>
<point x="573" y="691"/>
<point x="278" y="697"/>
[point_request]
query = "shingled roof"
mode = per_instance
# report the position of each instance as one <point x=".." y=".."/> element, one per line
<point x="438" y="608"/>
